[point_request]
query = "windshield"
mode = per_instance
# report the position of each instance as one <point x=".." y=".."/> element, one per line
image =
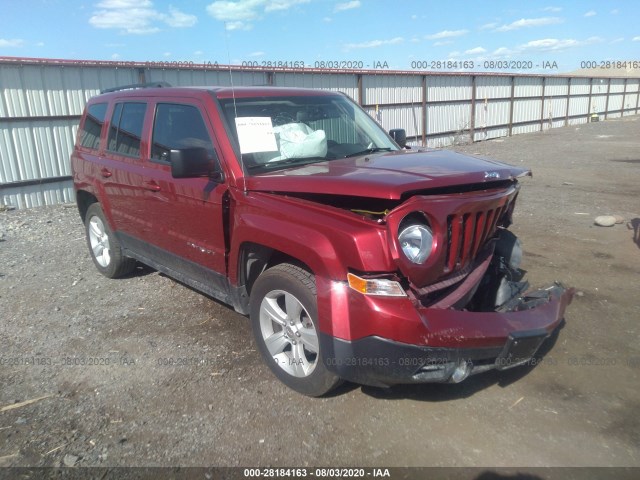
<point x="280" y="132"/>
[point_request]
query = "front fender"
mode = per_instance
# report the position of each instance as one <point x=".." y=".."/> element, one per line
<point x="326" y="239"/>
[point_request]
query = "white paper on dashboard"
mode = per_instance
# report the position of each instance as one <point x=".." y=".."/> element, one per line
<point x="255" y="134"/>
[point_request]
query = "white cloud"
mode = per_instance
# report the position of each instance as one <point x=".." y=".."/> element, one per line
<point x="590" y="13"/>
<point x="227" y="11"/>
<point x="13" y="42"/>
<point x="239" y="15"/>
<point x="502" y="52"/>
<point x="256" y="54"/>
<point x="137" y="16"/>
<point x="341" y="7"/>
<point x="528" y="22"/>
<point x="543" y="45"/>
<point x="475" y="51"/>
<point x="276" y="5"/>
<point x="178" y="19"/>
<point x="414" y="17"/>
<point x="238" y="26"/>
<point x="617" y="40"/>
<point x="124" y="3"/>
<point x="166" y="54"/>
<point x="374" y="43"/>
<point x="40" y="44"/>
<point x="115" y="56"/>
<point x="198" y="53"/>
<point x="327" y="19"/>
<point x="552" y="9"/>
<point x="487" y="26"/>
<point x="441" y="43"/>
<point x="554" y="44"/>
<point x="446" y="34"/>
<point x="635" y="39"/>
<point x="615" y="11"/>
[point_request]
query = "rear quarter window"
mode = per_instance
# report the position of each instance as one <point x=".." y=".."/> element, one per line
<point x="92" y="126"/>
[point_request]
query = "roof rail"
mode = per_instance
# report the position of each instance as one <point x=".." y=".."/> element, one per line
<point x="136" y="85"/>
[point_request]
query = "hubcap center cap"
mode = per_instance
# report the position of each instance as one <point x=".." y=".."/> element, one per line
<point x="289" y="332"/>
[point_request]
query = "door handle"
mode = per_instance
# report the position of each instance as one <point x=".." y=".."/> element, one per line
<point x="152" y="185"/>
<point x="105" y="172"/>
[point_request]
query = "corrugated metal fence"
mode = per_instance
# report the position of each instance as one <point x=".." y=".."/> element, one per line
<point x="41" y="101"/>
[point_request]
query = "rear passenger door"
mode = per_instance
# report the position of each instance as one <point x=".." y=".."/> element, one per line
<point x="121" y="169"/>
<point x="185" y="213"/>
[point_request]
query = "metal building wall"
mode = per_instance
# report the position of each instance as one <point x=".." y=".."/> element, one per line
<point x="41" y="101"/>
<point x="192" y="78"/>
<point x="40" y="105"/>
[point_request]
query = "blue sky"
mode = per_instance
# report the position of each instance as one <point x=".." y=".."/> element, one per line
<point x="363" y="31"/>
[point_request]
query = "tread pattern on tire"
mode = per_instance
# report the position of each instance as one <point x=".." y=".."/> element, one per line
<point x="306" y="278"/>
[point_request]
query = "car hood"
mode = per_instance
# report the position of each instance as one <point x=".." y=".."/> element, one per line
<point x="385" y="175"/>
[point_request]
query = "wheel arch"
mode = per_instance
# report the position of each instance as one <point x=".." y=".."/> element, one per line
<point x="84" y="200"/>
<point x="255" y="258"/>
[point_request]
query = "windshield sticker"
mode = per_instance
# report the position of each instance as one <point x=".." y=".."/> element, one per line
<point x="255" y="134"/>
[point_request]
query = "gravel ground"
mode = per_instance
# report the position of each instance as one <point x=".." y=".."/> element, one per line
<point x="95" y="355"/>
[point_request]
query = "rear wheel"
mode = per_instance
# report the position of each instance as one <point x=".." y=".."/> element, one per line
<point x="284" y="316"/>
<point x="104" y="246"/>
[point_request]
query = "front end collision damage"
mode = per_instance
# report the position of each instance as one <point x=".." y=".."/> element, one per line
<point x="465" y="312"/>
<point x="454" y="343"/>
<point x="481" y="316"/>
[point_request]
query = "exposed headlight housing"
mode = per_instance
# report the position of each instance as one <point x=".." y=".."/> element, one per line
<point x="416" y="242"/>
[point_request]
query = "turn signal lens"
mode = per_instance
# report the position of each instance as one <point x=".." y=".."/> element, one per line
<point x="375" y="286"/>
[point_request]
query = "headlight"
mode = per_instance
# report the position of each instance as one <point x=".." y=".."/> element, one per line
<point x="416" y="242"/>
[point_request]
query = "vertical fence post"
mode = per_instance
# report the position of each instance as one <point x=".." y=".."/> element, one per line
<point x="566" y="114"/>
<point x="141" y="76"/>
<point x="638" y="97"/>
<point x="424" y="110"/>
<point x="606" y="102"/>
<point x="624" y="94"/>
<point x="473" y="109"/>
<point x="513" y="92"/>
<point x="544" y="84"/>
<point x="590" y="96"/>
<point x="360" y="92"/>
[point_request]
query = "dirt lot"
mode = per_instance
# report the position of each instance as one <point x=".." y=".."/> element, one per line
<point x="97" y="349"/>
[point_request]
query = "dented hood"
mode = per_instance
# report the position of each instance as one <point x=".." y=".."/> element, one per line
<point x="385" y="175"/>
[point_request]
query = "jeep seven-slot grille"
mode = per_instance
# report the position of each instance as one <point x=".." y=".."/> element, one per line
<point x="467" y="233"/>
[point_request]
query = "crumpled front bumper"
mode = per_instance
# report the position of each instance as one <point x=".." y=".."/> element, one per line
<point x="454" y="344"/>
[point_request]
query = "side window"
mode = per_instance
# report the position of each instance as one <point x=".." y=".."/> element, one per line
<point x="126" y="128"/>
<point x="178" y="126"/>
<point x="93" y="121"/>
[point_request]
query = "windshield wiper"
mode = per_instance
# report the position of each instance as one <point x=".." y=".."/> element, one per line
<point x="287" y="162"/>
<point x="369" y="150"/>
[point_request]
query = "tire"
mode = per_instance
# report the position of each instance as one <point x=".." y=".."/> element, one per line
<point x="284" y="317"/>
<point x="104" y="247"/>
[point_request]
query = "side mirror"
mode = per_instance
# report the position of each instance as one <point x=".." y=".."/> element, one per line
<point x="400" y="136"/>
<point x="194" y="162"/>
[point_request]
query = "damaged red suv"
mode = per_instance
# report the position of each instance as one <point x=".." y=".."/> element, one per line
<point x="355" y="259"/>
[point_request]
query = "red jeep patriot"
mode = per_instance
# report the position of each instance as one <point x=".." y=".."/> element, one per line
<point x="355" y="258"/>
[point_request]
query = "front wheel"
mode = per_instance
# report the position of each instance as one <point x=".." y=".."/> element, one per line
<point x="284" y="315"/>
<point x="104" y="246"/>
